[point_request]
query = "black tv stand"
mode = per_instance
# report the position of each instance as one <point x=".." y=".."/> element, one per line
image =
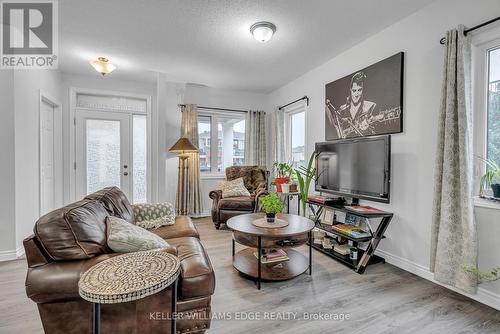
<point x="365" y="257"/>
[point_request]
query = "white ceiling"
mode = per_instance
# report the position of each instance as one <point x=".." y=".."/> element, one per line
<point x="209" y="43"/>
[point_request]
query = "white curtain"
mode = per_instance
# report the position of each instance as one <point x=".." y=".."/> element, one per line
<point x="278" y="122"/>
<point x="454" y="240"/>
<point x="192" y="204"/>
<point x="255" y="138"/>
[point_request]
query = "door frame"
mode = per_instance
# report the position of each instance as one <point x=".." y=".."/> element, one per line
<point x="152" y="158"/>
<point x="44" y="97"/>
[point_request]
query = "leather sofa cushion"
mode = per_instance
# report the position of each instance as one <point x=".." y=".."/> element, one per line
<point x="243" y="203"/>
<point x="76" y="231"/>
<point x="115" y="202"/>
<point x="183" y="227"/>
<point x="197" y="277"/>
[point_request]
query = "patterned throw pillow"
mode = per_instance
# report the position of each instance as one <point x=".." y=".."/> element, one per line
<point x="234" y="188"/>
<point x="151" y="216"/>
<point x="124" y="237"/>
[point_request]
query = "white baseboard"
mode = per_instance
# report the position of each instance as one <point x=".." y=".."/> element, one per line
<point x="13" y="254"/>
<point x="483" y="296"/>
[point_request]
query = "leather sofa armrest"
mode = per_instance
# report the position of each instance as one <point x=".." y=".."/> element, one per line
<point x="216" y="196"/>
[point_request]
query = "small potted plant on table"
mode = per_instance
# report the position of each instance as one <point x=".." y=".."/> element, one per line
<point x="271" y="205"/>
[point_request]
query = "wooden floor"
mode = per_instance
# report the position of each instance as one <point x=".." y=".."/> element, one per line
<point x="383" y="300"/>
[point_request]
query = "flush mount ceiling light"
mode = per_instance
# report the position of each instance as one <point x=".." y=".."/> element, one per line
<point x="102" y="65"/>
<point x="263" y="31"/>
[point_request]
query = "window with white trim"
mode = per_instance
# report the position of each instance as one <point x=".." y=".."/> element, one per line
<point x="295" y="132"/>
<point x="221" y="141"/>
<point x="487" y="106"/>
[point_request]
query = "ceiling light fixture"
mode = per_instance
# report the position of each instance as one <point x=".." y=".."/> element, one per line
<point x="263" y="31"/>
<point x="102" y="65"/>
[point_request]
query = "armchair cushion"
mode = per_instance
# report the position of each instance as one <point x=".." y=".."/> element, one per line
<point x="240" y="203"/>
<point x="151" y="216"/>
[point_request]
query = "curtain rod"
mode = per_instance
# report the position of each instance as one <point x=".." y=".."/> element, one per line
<point x="443" y="40"/>
<point x="213" y="108"/>
<point x="302" y="98"/>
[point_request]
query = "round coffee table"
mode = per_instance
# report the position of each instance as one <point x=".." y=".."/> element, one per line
<point x="129" y="277"/>
<point x="296" y="233"/>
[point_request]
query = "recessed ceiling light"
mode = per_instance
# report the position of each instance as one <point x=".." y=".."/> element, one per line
<point x="263" y="31"/>
<point x="102" y="65"/>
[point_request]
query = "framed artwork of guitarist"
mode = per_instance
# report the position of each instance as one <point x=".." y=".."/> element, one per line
<point x="366" y="103"/>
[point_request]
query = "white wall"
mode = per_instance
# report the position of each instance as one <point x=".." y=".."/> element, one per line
<point x="27" y="85"/>
<point x="7" y="167"/>
<point x="413" y="151"/>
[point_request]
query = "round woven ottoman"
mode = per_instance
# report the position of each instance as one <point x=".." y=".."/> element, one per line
<point x="129" y="277"/>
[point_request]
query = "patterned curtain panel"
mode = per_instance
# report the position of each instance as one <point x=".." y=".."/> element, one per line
<point x="278" y="122"/>
<point x="192" y="204"/>
<point x="255" y="138"/>
<point x="454" y="240"/>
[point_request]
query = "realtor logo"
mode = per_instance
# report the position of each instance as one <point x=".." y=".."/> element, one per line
<point x="29" y="34"/>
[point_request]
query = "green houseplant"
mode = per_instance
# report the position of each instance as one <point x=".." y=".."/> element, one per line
<point x="281" y="172"/>
<point x="491" y="178"/>
<point x="271" y="205"/>
<point x="304" y="178"/>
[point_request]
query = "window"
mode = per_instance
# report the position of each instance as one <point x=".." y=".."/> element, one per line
<point x="221" y="141"/>
<point x="493" y="106"/>
<point x="486" y="107"/>
<point x="204" y="143"/>
<point x="295" y="131"/>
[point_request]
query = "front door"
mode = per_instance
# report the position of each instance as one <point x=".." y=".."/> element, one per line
<point x="103" y="151"/>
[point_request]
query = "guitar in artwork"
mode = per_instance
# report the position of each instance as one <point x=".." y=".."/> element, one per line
<point x="365" y="124"/>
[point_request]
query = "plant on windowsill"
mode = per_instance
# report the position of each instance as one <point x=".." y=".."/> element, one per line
<point x="271" y="205"/>
<point x="491" y="178"/>
<point x="281" y="172"/>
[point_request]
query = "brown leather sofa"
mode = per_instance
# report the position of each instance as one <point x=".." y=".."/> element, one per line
<point x="70" y="240"/>
<point x="255" y="179"/>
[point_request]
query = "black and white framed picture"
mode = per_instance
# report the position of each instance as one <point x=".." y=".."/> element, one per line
<point x="366" y="103"/>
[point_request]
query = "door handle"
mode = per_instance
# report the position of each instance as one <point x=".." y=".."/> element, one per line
<point x="125" y="173"/>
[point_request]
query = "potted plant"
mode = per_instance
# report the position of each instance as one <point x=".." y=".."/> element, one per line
<point x="293" y="182"/>
<point x="491" y="178"/>
<point x="281" y="172"/>
<point x="271" y="205"/>
<point x="304" y="177"/>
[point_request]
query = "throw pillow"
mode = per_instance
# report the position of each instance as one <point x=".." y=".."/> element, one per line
<point x="151" y="216"/>
<point x="234" y="188"/>
<point x="124" y="237"/>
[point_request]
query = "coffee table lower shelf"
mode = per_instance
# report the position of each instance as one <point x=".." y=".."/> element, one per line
<point x="246" y="263"/>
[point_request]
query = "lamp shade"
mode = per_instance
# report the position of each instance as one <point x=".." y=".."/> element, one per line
<point x="183" y="145"/>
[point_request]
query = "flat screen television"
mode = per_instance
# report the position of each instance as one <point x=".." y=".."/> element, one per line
<point x="356" y="168"/>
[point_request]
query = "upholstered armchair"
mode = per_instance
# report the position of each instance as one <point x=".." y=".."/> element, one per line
<point x="255" y="179"/>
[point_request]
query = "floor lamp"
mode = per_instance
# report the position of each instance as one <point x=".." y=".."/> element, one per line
<point x="183" y="147"/>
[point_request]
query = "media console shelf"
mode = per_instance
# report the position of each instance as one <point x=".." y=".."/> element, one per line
<point x="365" y="257"/>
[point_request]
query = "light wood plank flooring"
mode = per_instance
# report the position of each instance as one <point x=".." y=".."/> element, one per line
<point x="383" y="300"/>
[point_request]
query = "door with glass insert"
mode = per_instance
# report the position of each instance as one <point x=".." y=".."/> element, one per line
<point x="103" y="152"/>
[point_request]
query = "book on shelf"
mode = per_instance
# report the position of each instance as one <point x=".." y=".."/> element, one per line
<point x="364" y="209"/>
<point x="272" y="255"/>
<point x="342" y="249"/>
<point x="351" y="230"/>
